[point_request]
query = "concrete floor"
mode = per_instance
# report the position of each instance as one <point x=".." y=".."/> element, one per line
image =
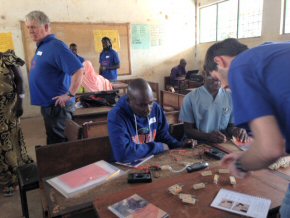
<point x="10" y="207"/>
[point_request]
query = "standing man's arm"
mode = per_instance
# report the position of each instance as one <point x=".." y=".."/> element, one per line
<point x="74" y="87"/>
<point x="267" y="147"/>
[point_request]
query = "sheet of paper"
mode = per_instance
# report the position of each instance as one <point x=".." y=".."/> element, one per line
<point x="243" y="204"/>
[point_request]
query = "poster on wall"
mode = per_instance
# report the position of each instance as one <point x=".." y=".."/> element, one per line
<point x="113" y="35"/>
<point x="6" y="42"/>
<point x="156" y="35"/>
<point x="140" y="36"/>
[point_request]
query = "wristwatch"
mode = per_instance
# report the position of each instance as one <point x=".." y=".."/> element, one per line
<point x="70" y="94"/>
<point x="240" y="167"/>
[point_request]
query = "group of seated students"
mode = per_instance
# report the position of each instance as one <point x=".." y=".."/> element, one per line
<point x="138" y="127"/>
<point x="137" y="124"/>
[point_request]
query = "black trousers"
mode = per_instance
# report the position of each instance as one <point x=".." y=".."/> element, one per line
<point x="54" y="120"/>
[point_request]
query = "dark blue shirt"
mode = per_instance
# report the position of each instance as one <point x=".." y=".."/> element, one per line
<point x="260" y="84"/>
<point x="177" y="71"/>
<point x="133" y="137"/>
<point x="51" y="71"/>
<point x="80" y="58"/>
<point x="108" y="59"/>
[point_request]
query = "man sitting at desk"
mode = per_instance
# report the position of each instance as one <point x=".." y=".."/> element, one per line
<point x="178" y="72"/>
<point x="207" y="113"/>
<point x="137" y="125"/>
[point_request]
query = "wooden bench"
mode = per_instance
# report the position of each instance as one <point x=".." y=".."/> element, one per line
<point x="56" y="159"/>
<point x="76" y="129"/>
<point x="188" y="84"/>
<point x="171" y="99"/>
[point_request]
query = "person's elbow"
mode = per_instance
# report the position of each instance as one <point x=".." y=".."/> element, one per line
<point x="273" y="153"/>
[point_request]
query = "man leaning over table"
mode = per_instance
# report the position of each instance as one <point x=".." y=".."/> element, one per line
<point x="259" y="80"/>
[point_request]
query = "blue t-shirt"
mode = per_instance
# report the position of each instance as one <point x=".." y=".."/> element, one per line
<point x="107" y="59"/>
<point x="208" y="114"/>
<point x="51" y="71"/>
<point x="260" y="83"/>
<point x="82" y="60"/>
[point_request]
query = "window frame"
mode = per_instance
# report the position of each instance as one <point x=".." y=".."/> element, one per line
<point x="237" y="22"/>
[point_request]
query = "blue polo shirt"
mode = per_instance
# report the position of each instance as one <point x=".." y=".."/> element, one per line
<point x="260" y="83"/>
<point x="207" y="113"/>
<point x="51" y="70"/>
<point x="82" y="60"/>
<point x="107" y="59"/>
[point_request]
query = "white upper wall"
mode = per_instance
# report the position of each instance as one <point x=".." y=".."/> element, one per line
<point x="176" y="18"/>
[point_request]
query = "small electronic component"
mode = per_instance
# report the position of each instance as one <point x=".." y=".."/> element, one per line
<point x="233" y="180"/>
<point x="216" y="179"/>
<point x="215" y="153"/>
<point x="224" y="171"/>
<point x="139" y="177"/>
<point x="175" y="189"/>
<point x="206" y="173"/>
<point x="196" y="167"/>
<point x="187" y="198"/>
<point x="198" y="186"/>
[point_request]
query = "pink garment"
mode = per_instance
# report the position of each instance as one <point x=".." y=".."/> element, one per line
<point x="93" y="82"/>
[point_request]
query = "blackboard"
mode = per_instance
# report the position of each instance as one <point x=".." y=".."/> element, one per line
<point x="83" y="35"/>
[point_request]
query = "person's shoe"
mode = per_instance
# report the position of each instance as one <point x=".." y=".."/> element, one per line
<point x="8" y="191"/>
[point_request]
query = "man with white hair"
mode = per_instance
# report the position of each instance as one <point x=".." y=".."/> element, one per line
<point x="55" y="76"/>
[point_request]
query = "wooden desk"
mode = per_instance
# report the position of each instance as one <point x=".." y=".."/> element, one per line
<point x="90" y="126"/>
<point x="174" y="100"/>
<point x="120" y="86"/>
<point x="91" y="114"/>
<point x="261" y="183"/>
<point x="180" y="81"/>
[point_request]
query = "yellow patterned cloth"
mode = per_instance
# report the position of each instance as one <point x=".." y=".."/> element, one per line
<point x="12" y="148"/>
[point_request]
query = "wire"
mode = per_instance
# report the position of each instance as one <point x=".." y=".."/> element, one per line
<point x="167" y="167"/>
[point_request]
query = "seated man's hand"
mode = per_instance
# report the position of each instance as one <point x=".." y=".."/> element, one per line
<point x="240" y="134"/>
<point x="217" y="137"/>
<point x="189" y="143"/>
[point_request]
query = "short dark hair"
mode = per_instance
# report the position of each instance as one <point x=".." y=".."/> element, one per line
<point x="73" y="45"/>
<point x="229" y="47"/>
<point x="107" y="39"/>
<point x="138" y="85"/>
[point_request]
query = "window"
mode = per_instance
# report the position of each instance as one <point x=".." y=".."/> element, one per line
<point x="231" y="18"/>
<point x="286" y="16"/>
<point x="227" y="20"/>
<point x="250" y="18"/>
<point x="208" y="21"/>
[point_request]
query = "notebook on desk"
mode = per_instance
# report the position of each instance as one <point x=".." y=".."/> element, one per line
<point x="80" y="180"/>
<point x="138" y="207"/>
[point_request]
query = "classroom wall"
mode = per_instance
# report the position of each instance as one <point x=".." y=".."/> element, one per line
<point x="270" y="28"/>
<point x="176" y="19"/>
